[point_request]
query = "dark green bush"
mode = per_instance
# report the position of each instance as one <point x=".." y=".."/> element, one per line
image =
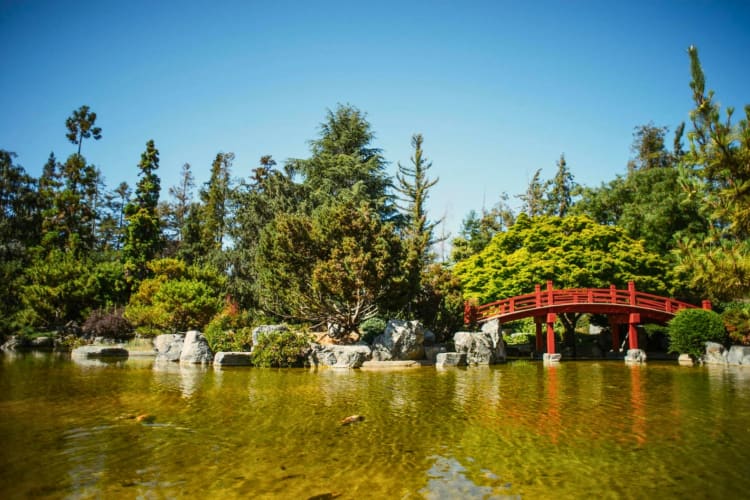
<point x="371" y="328"/>
<point x="280" y="349"/>
<point x="109" y="324"/>
<point x="690" y="329"/>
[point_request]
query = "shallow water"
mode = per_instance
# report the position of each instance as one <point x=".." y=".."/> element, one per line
<point x="518" y="430"/>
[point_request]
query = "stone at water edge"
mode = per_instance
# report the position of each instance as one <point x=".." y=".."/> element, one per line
<point x="715" y="354"/>
<point x="445" y="359"/>
<point x="169" y="346"/>
<point x="195" y="349"/>
<point x="229" y="358"/>
<point x="738" y="355"/>
<point x="402" y="340"/>
<point x="685" y="360"/>
<point x="555" y="357"/>
<point x="635" y="356"/>
<point x="481" y="348"/>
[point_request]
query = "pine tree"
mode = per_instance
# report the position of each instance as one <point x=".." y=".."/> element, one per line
<point x="80" y="126"/>
<point x="414" y="186"/>
<point x="560" y="194"/>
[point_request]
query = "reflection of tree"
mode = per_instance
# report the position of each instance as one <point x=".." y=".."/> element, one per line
<point x="638" y="404"/>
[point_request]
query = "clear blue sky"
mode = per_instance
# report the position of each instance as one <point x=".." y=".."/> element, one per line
<point x="498" y="89"/>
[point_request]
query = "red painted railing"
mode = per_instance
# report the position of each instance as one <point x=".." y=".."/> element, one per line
<point x="578" y="299"/>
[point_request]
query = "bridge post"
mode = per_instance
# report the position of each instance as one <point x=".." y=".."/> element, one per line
<point x="631" y="293"/>
<point x="706" y="304"/>
<point x="538" y="295"/>
<point x="551" y="317"/>
<point x="614" y="328"/>
<point x="550" y="297"/>
<point x="538" y="320"/>
<point x="470" y="312"/>
<point x="633" y="320"/>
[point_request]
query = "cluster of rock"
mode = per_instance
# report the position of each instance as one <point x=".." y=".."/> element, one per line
<point x="191" y="347"/>
<point x="717" y="354"/>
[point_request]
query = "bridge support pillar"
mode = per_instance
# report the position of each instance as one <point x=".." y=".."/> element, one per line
<point x="551" y="318"/>
<point x="539" y="341"/>
<point x="633" y="320"/>
<point x="614" y="328"/>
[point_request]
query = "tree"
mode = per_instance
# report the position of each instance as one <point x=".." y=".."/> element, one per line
<point x="143" y="233"/>
<point x="413" y="186"/>
<point x="80" y="126"/>
<point x="561" y="188"/>
<point x="719" y="157"/>
<point x="648" y="146"/>
<point x="477" y="232"/>
<point x="343" y="160"/>
<point x="215" y="199"/>
<point x="176" y="212"/>
<point x="533" y="198"/>
<point x="332" y="267"/>
<point x="574" y="252"/>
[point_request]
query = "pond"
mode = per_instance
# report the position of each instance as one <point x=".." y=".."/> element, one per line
<point x="521" y="430"/>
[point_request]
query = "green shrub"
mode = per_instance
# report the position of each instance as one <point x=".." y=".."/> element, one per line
<point x="229" y="331"/>
<point x="519" y="338"/>
<point x="736" y="318"/>
<point x="371" y="328"/>
<point x="109" y="324"/>
<point x="280" y="349"/>
<point x="690" y="329"/>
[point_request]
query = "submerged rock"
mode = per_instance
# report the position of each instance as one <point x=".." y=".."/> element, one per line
<point x="98" y="351"/>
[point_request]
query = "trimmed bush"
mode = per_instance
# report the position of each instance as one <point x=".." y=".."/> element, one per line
<point x="109" y="324"/>
<point x="229" y="331"/>
<point x="690" y="329"/>
<point x="280" y="349"/>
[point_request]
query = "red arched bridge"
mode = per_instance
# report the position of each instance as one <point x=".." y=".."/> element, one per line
<point x="621" y="307"/>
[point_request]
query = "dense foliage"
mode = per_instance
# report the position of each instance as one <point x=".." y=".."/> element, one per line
<point x="332" y="240"/>
<point x="280" y="349"/>
<point x="692" y="328"/>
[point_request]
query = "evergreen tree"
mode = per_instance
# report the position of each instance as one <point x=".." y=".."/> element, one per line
<point x="533" y="198"/>
<point x="143" y="233"/>
<point x="560" y="190"/>
<point x="80" y="126"/>
<point x="414" y="186"/>
<point x="215" y="200"/>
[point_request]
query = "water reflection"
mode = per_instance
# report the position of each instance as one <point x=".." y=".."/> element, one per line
<point x="186" y="378"/>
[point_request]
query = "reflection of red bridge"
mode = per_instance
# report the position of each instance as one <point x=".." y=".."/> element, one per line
<point x="621" y="306"/>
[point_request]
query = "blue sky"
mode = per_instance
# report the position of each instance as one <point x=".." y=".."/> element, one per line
<point x="498" y="89"/>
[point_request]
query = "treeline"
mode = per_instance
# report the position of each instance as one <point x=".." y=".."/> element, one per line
<point x="332" y="240"/>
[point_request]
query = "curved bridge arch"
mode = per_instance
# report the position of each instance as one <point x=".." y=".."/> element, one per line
<point x="621" y="306"/>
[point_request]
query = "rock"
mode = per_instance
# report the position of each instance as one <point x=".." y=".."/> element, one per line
<point x="402" y="340"/>
<point x="429" y="338"/>
<point x="15" y="342"/>
<point x="481" y="348"/>
<point x="431" y="352"/>
<point x="98" y="351"/>
<point x="745" y="360"/>
<point x="555" y="357"/>
<point x="43" y="343"/>
<point x="445" y="359"/>
<point x="492" y="326"/>
<point x="339" y="356"/>
<point x="169" y="346"/>
<point x="232" y="359"/>
<point x="268" y="330"/>
<point x="737" y="354"/>
<point x="635" y="356"/>
<point x="390" y="365"/>
<point x="686" y="360"/>
<point x="195" y="349"/>
<point x="715" y="354"/>
<point x="352" y="419"/>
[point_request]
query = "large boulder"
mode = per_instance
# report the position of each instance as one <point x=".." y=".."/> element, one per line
<point x="716" y="354"/>
<point x="402" y="340"/>
<point x="232" y="359"/>
<point x="195" y="349"/>
<point x="445" y="359"/>
<point x="738" y="355"/>
<point x="339" y="356"/>
<point x="481" y="348"/>
<point x="268" y="330"/>
<point x="169" y="346"/>
<point x="635" y="356"/>
<point x="98" y="351"/>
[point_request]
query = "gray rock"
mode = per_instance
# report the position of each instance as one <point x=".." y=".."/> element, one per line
<point x="98" y="351"/>
<point x="737" y="354"/>
<point x="339" y="356"/>
<point x="268" y="330"/>
<point x="169" y="346"/>
<point x="715" y="354"/>
<point x="745" y="360"/>
<point x="390" y="365"/>
<point x="481" y="348"/>
<point x="555" y="357"/>
<point x="402" y="340"/>
<point x="492" y="326"/>
<point x="429" y="338"/>
<point x="445" y="359"/>
<point x="635" y="356"/>
<point x="195" y="349"/>
<point x="232" y="359"/>
<point x="686" y="360"/>
<point x="431" y="352"/>
<point x="15" y="342"/>
<point x="43" y="343"/>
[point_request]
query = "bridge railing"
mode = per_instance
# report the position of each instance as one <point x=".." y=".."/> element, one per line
<point x="550" y="297"/>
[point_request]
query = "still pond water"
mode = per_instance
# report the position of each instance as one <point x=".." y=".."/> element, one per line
<point x="521" y="430"/>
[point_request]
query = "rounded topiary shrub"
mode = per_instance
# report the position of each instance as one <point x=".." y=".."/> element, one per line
<point x="282" y="349"/>
<point x="108" y="324"/>
<point x="690" y="329"/>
